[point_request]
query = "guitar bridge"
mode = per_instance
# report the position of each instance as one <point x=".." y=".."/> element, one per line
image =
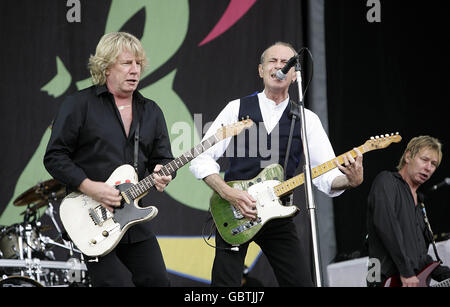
<point x="245" y="226"/>
<point x="99" y="215"/>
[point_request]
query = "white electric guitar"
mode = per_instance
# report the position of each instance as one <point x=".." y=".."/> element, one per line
<point x="95" y="230"/>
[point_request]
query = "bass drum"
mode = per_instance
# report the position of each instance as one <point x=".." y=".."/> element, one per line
<point x="19" y="281"/>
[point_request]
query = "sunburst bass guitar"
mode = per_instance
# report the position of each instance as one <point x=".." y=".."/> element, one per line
<point x="95" y="230"/>
<point x="267" y="189"/>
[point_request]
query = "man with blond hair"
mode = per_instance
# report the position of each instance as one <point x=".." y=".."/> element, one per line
<point x="399" y="236"/>
<point x="93" y="133"/>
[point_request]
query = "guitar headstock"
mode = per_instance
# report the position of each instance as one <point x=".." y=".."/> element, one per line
<point x="233" y="129"/>
<point x="379" y="142"/>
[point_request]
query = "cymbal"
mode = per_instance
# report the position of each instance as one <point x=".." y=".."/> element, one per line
<point x="35" y="206"/>
<point x="43" y="191"/>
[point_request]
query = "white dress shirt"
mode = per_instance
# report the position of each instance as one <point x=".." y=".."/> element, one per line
<point x="320" y="149"/>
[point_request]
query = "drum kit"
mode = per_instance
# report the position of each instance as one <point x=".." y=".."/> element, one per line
<point x="27" y="257"/>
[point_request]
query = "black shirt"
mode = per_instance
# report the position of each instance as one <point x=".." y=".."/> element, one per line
<point x="398" y="236"/>
<point x="88" y="138"/>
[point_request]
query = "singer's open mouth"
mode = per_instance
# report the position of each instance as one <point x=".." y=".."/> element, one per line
<point x="274" y="76"/>
<point x="423" y="176"/>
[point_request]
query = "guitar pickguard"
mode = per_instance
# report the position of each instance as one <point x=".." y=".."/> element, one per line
<point x="94" y="229"/>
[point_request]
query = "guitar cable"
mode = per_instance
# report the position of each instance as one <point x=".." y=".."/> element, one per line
<point x="232" y="248"/>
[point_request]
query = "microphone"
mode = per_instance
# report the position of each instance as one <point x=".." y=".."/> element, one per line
<point x="445" y="182"/>
<point x="281" y="74"/>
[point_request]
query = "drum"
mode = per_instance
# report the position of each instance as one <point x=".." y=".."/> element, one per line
<point x="48" y="273"/>
<point x="19" y="281"/>
<point x="9" y="246"/>
<point x="9" y="241"/>
<point x="63" y="273"/>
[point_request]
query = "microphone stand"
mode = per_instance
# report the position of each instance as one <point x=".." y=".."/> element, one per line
<point x="308" y="180"/>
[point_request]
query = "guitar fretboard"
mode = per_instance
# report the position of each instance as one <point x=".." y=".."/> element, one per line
<point x="290" y="184"/>
<point x="148" y="182"/>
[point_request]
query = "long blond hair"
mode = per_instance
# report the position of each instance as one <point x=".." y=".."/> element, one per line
<point x="107" y="51"/>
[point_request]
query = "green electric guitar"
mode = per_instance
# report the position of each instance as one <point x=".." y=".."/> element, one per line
<point x="267" y="189"/>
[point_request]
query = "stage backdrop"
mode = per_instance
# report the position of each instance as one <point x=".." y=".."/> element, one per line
<point x="202" y="54"/>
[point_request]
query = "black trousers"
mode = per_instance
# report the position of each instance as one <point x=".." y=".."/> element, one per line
<point x="279" y="241"/>
<point x="135" y="264"/>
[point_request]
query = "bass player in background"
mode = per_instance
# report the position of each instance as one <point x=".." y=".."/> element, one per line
<point x="398" y="234"/>
<point x="94" y="133"/>
<point x="269" y="109"/>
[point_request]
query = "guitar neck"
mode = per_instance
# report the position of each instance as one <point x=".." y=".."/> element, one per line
<point x="290" y="184"/>
<point x="148" y="182"/>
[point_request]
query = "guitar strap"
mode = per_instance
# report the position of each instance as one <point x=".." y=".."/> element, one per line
<point x="136" y="147"/>
<point x="294" y="114"/>
<point x="431" y="231"/>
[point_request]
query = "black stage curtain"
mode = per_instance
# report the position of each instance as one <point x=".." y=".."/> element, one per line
<point x="383" y="77"/>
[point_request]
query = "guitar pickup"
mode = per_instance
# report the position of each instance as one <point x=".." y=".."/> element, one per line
<point x="237" y="214"/>
<point x="245" y="226"/>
